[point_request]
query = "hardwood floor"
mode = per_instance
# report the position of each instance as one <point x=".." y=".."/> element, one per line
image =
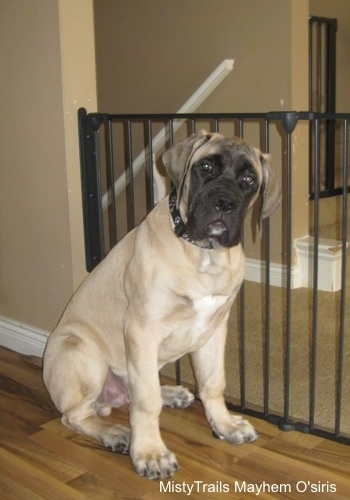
<point x="39" y="458"/>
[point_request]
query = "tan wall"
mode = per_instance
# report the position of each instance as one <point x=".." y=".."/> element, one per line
<point x="35" y="272"/>
<point x="38" y="172"/>
<point x="152" y="55"/>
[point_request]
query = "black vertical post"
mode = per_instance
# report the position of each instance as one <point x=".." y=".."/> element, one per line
<point x="89" y="168"/>
<point x="330" y="102"/>
<point x="322" y="81"/>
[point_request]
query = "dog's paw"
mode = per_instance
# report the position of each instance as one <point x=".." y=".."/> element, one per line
<point x="155" y="465"/>
<point x="239" y="431"/>
<point x="117" y="438"/>
<point x="176" y="396"/>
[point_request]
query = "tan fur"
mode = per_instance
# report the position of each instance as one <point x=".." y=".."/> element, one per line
<point x="154" y="298"/>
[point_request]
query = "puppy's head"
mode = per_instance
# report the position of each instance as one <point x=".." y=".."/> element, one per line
<point x="217" y="180"/>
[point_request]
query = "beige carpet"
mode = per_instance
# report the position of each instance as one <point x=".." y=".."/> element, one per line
<point x="328" y="324"/>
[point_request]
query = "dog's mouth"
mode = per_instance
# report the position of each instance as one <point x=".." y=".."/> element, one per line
<point x="216" y="229"/>
<point x="224" y="231"/>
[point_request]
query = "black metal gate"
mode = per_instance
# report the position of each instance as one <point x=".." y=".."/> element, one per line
<point x="294" y="374"/>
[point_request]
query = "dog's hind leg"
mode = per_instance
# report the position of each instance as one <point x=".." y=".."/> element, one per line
<point x="81" y="387"/>
<point x="176" y="396"/>
<point x="84" y="419"/>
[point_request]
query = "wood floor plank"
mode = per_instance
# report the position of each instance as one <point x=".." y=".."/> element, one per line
<point x="49" y="462"/>
<point x="34" y="479"/>
<point x="115" y="470"/>
<point x="11" y="489"/>
<point x="333" y="457"/>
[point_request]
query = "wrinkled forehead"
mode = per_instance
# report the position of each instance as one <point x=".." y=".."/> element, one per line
<point x="231" y="148"/>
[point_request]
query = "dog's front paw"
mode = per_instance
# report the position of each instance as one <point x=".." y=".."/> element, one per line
<point x="155" y="465"/>
<point x="117" y="438"/>
<point x="176" y="396"/>
<point x="238" y="431"/>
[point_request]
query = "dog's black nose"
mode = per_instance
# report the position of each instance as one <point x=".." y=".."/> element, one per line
<point x="225" y="204"/>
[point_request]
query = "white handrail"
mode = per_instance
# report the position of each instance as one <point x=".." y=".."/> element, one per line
<point x="203" y="91"/>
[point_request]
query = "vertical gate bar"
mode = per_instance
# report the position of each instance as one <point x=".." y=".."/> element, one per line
<point x="331" y="28"/>
<point x="345" y="215"/>
<point x="284" y="424"/>
<point x="241" y="128"/>
<point x="266" y="235"/>
<point x="178" y="362"/>
<point x="149" y="169"/>
<point x="317" y="168"/>
<point x="243" y="343"/>
<point x="113" y="226"/>
<point x="171" y="133"/>
<point x="216" y="125"/>
<point x="289" y="121"/>
<point x="178" y="372"/>
<point x="99" y="192"/>
<point x="311" y="73"/>
<point x="318" y="66"/>
<point x="242" y="319"/>
<point x="331" y="65"/>
<point x="193" y="125"/>
<point x="130" y="193"/>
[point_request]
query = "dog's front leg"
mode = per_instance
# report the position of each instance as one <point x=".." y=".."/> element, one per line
<point x="150" y="456"/>
<point x="208" y="363"/>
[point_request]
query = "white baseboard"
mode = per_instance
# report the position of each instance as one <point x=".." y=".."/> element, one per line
<point x="255" y="271"/>
<point x="329" y="262"/>
<point x="21" y="337"/>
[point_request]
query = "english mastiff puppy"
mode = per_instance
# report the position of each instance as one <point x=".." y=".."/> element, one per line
<point x="165" y="290"/>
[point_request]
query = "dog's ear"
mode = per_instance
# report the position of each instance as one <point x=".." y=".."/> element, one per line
<point x="270" y="189"/>
<point x="178" y="158"/>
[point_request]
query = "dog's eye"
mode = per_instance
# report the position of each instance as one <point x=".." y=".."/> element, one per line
<point x="208" y="167"/>
<point x="248" y="179"/>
